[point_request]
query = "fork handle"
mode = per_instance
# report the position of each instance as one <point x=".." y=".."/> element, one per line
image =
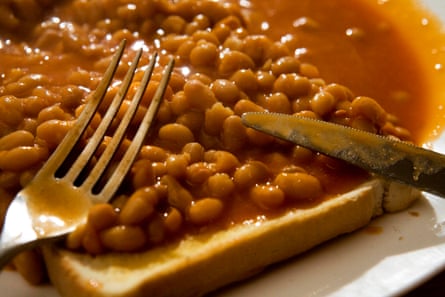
<point x="17" y="234"/>
<point x="7" y="253"/>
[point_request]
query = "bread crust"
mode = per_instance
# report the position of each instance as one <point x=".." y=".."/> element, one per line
<point x="200" y="264"/>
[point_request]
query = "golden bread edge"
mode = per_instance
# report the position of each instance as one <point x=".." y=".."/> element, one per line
<point x="200" y="264"/>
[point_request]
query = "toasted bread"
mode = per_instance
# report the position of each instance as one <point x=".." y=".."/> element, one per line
<point x="199" y="264"/>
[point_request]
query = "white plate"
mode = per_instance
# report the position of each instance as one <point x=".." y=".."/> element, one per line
<point x="408" y="250"/>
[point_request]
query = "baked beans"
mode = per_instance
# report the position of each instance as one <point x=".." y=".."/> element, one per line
<point x="200" y="159"/>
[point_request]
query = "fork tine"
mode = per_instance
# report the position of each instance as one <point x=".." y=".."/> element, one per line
<point x="109" y="152"/>
<point x="98" y="135"/>
<point x="73" y="136"/>
<point x="130" y="155"/>
<point x="119" y="134"/>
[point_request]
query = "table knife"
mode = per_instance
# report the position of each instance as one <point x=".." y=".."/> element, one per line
<point x="384" y="156"/>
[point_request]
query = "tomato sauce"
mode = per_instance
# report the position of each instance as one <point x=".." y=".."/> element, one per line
<point x="368" y="47"/>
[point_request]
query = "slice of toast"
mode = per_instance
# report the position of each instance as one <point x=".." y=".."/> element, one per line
<point x="200" y="264"/>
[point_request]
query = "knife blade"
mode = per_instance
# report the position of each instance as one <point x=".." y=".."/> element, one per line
<point x="394" y="159"/>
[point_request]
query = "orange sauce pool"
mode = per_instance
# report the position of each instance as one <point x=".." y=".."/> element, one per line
<point x="375" y="50"/>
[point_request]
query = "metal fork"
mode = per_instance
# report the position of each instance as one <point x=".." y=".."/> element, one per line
<point x="50" y="206"/>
